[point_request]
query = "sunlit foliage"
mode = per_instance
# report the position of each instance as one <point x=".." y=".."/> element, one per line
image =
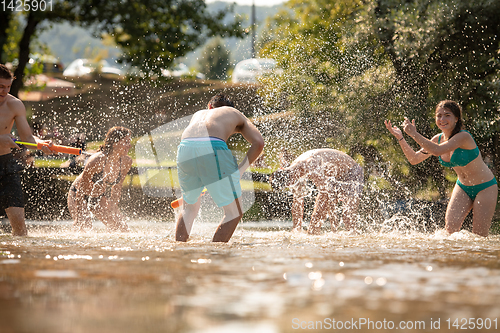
<point x="214" y="62"/>
<point x="153" y="33"/>
<point x="359" y="62"/>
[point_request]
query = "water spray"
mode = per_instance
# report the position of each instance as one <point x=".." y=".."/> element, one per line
<point x="177" y="203"/>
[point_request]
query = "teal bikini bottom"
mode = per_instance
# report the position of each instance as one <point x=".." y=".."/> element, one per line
<point x="473" y="190"/>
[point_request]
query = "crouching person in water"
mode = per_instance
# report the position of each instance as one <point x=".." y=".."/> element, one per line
<point x="96" y="191"/>
<point x="204" y="160"/>
<point x="337" y="177"/>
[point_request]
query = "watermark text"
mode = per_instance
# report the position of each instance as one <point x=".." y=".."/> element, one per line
<point x="26" y="5"/>
<point x="368" y="324"/>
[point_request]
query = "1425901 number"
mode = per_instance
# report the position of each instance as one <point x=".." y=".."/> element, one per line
<point x="472" y="323"/>
<point x="26" y="5"/>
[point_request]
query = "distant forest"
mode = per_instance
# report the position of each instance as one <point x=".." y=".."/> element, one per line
<point x="68" y="42"/>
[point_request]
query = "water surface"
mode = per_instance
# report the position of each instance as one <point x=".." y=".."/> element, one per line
<point x="265" y="279"/>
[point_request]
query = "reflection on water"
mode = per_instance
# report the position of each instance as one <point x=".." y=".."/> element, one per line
<point x="265" y="279"/>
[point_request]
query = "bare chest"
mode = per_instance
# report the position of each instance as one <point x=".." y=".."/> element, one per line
<point x="6" y="120"/>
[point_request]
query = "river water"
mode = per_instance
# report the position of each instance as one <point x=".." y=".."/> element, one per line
<point x="266" y="279"/>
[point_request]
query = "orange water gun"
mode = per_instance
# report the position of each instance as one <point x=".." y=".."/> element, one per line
<point x="176" y="203"/>
<point x="56" y="148"/>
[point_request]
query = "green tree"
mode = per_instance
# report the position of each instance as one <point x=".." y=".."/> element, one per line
<point x="443" y="50"/>
<point x="12" y="35"/>
<point x="5" y="19"/>
<point x="358" y="62"/>
<point x="60" y="11"/>
<point x="326" y="62"/>
<point x="152" y="33"/>
<point x="214" y="62"/>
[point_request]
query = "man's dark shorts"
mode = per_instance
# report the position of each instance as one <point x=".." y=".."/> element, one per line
<point x="11" y="190"/>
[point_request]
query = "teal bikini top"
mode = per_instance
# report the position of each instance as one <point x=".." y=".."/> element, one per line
<point x="460" y="157"/>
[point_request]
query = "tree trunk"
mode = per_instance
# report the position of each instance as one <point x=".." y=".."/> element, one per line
<point x="24" y="52"/>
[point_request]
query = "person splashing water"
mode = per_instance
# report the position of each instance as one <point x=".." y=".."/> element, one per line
<point x="97" y="190"/>
<point x="204" y="160"/>
<point x="476" y="186"/>
<point x="337" y="177"/>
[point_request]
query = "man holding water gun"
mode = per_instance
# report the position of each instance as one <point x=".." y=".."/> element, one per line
<point x="12" y="111"/>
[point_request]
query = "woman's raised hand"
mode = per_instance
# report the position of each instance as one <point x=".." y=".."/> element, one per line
<point x="409" y="127"/>
<point x="394" y="130"/>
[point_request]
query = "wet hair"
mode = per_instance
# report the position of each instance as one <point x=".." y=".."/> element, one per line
<point x="5" y="72"/>
<point x="454" y="108"/>
<point x="280" y="179"/>
<point x="220" y="100"/>
<point x="114" y="135"/>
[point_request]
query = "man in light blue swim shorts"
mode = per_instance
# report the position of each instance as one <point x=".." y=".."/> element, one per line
<point x="208" y="162"/>
<point x="204" y="161"/>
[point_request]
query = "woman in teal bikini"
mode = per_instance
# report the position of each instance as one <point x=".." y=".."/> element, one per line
<point x="476" y="187"/>
<point x="97" y="190"/>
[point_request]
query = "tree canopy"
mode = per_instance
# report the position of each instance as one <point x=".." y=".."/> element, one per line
<point x="214" y="61"/>
<point x="357" y="63"/>
<point x="155" y="32"/>
<point x="152" y="33"/>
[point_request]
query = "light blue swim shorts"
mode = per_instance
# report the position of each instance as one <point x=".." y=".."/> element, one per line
<point x="208" y="162"/>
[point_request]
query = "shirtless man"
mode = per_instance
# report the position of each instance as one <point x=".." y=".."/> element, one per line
<point x="337" y="177"/>
<point x="204" y="160"/>
<point x="11" y="193"/>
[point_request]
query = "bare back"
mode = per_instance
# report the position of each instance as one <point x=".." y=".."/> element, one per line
<point x="220" y="122"/>
<point x="319" y="165"/>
